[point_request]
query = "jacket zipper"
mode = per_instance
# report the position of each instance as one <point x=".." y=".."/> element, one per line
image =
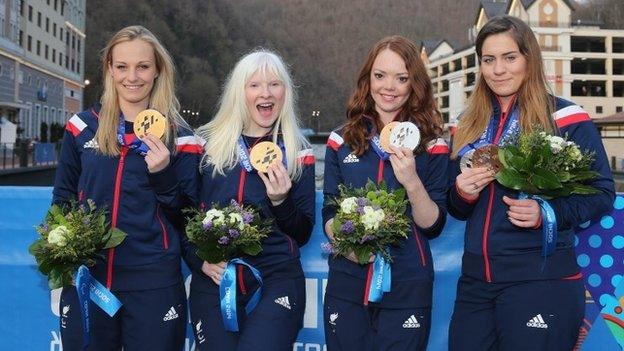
<point x="115" y="212"/>
<point x="162" y="227"/>
<point x="488" y="214"/>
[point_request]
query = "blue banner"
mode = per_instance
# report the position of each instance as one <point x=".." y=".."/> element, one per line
<point x="44" y="153"/>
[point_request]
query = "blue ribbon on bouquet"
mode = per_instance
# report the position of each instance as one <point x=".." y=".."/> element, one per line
<point x="382" y="279"/>
<point x="227" y="292"/>
<point x="549" y="224"/>
<point x="89" y="288"/>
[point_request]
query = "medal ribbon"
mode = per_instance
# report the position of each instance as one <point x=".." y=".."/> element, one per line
<point x="227" y="292"/>
<point x="382" y="279"/>
<point x="135" y="143"/>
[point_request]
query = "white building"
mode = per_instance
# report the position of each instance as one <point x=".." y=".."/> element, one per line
<point x="583" y="62"/>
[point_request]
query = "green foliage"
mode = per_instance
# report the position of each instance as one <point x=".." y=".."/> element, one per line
<point x="546" y="165"/>
<point x="369" y="221"/>
<point x="69" y="237"/>
<point x="220" y="235"/>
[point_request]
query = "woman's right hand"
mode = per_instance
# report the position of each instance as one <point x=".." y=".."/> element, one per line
<point x="471" y="181"/>
<point x="351" y="255"/>
<point x="214" y="271"/>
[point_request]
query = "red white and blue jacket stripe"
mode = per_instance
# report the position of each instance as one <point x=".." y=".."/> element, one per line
<point x="144" y="205"/>
<point x="412" y="269"/>
<point x="293" y="221"/>
<point x="497" y="251"/>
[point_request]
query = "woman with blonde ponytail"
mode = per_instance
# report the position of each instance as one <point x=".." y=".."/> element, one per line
<point x="142" y="183"/>
<point x="521" y="288"/>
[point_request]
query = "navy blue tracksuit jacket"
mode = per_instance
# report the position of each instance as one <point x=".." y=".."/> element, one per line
<point x="412" y="268"/>
<point x="497" y="251"/>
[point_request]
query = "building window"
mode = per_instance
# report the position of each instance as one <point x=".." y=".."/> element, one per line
<point x="618" y="88"/>
<point x="66" y="62"/>
<point x="55" y="5"/>
<point x="470" y="61"/>
<point x="39" y="19"/>
<point x="470" y="79"/>
<point x="21" y="5"/>
<point x="618" y="109"/>
<point x="78" y="44"/>
<point x="30" y="13"/>
<point x="618" y="67"/>
<point x="0" y="70"/>
<point x="61" y="59"/>
<point x="29" y="43"/>
<point x="48" y="24"/>
<point x="588" y="88"/>
<point x="598" y="109"/>
<point x="53" y="55"/>
<point x="587" y="44"/>
<point x="39" y="47"/>
<point x="617" y="44"/>
<point x="588" y="66"/>
<point x="62" y="7"/>
<point x="61" y="33"/>
<point x="73" y="64"/>
<point x="78" y="67"/>
<point x="73" y="41"/>
<point x="21" y="38"/>
<point x="67" y="37"/>
<point x="54" y="29"/>
<point x="46" y="51"/>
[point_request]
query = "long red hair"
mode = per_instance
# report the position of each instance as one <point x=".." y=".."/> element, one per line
<point x="420" y="107"/>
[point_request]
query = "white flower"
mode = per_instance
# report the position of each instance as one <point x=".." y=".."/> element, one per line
<point x="575" y="154"/>
<point x="237" y="219"/>
<point x="58" y="236"/>
<point x="348" y="205"/>
<point x="215" y="216"/>
<point x="556" y="143"/>
<point x="371" y="218"/>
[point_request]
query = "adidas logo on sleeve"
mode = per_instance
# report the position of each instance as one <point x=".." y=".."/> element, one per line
<point x="537" y="322"/>
<point x="411" y="323"/>
<point x="171" y="315"/>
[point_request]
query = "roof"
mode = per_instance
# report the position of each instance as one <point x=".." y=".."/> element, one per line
<point x="528" y="3"/>
<point x="617" y="118"/>
<point x="431" y="44"/>
<point x="494" y="8"/>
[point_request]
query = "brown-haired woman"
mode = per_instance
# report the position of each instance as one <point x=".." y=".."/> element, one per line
<point x="515" y="292"/>
<point x="393" y="85"/>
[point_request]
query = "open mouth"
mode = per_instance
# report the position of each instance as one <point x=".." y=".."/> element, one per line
<point x="388" y="98"/>
<point x="266" y="109"/>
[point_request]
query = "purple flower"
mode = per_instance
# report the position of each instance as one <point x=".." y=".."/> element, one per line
<point x="360" y="210"/>
<point x="347" y="227"/>
<point x="366" y="238"/>
<point x="247" y="217"/>
<point x="224" y="240"/>
<point x="233" y="233"/>
<point x="361" y="201"/>
<point x="207" y="225"/>
<point x="327" y="248"/>
<point x="236" y="205"/>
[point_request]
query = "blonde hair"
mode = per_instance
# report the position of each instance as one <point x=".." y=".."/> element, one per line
<point x="162" y="97"/>
<point x="535" y="100"/>
<point x="222" y="133"/>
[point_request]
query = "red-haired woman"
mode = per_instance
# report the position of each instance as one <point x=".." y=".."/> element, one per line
<point x="393" y="85"/>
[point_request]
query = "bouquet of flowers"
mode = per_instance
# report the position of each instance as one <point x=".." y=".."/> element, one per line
<point x="72" y="236"/>
<point x="369" y="220"/>
<point x="221" y="234"/>
<point x="546" y="165"/>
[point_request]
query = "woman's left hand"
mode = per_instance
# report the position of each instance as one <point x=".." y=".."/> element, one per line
<point x="403" y="166"/>
<point x="277" y="183"/>
<point x="158" y="156"/>
<point x="523" y="213"/>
